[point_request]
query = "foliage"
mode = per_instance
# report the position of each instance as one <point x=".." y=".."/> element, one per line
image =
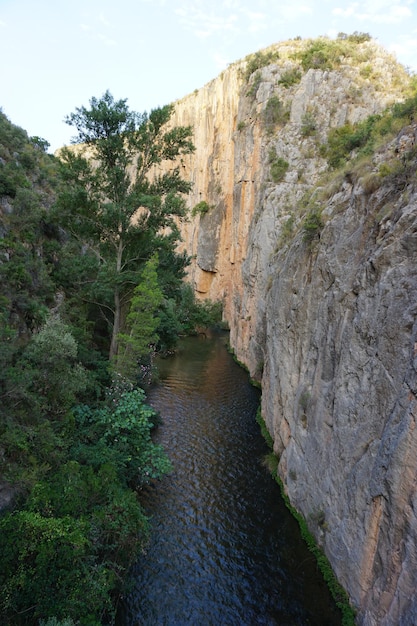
<point x="343" y="140"/>
<point x="27" y="242"/>
<point x="290" y="77"/>
<point x="287" y="229"/>
<point x="35" y="402"/>
<point x="82" y="524"/>
<point x="308" y="124"/>
<point x="326" y="54"/>
<point x="200" y="209"/>
<point x="355" y="37"/>
<point x="275" y="114"/>
<point x="194" y="315"/>
<point x="321" y="54"/>
<point x="142" y="322"/>
<point x="278" y="169"/>
<point x="258" y="60"/>
<point x="51" y="358"/>
<point x="264" y="431"/>
<point x="75" y="522"/>
<point x="312" y="225"/>
<point x="113" y="204"/>
<point x="278" y="166"/>
<point x="361" y="138"/>
<point x="120" y="435"/>
<point x="44" y="569"/>
<point x="186" y="316"/>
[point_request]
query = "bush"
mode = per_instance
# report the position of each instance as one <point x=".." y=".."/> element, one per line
<point x="120" y="434"/>
<point x="343" y="140"/>
<point x="278" y="166"/>
<point x="45" y="570"/>
<point x="200" y="209"/>
<point x="275" y="113"/>
<point x="278" y="169"/>
<point x="320" y="54"/>
<point x="258" y="60"/>
<point x="313" y="225"/>
<point x="355" y="37"/>
<point x="308" y="124"/>
<point x="363" y="137"/>
<point x="290" y="77"/>
<point x="82" y="525"/>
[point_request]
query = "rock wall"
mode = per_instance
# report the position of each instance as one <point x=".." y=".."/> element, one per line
<point x="329" y="326"/>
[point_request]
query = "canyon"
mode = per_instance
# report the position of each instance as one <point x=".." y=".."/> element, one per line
<point x="324" y="319"/>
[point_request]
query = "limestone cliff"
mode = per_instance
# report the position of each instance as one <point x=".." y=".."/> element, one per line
<point x="327" y="322"/>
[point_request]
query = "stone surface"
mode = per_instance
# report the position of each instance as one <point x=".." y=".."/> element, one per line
<point x="329" y="328"/>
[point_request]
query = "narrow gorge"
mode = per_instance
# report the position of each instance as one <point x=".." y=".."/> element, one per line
<point x="315" y="265"/>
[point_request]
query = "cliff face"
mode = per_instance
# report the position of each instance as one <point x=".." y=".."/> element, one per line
<point x="328" y="325"/>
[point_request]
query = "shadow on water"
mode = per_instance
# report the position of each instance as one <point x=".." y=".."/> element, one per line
<point x="224" y="549"/>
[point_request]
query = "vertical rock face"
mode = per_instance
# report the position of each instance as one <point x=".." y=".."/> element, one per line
<point x="330" y="325"/>
<point x="339" y="389"/>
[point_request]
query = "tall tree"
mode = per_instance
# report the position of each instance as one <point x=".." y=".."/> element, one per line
<point x="141" y="322"/>
<point x="115" y="203"/>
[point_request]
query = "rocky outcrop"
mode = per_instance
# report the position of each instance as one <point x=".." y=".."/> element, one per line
<point x="328" y="324"/>
<point x="339" y="389"/>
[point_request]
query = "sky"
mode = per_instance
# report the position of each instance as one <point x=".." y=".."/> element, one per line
<point x="55" y="55"/>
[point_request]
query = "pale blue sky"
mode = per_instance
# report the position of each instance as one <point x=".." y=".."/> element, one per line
<point x="57" y="54"/>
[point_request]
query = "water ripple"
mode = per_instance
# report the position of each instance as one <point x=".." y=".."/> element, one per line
<point x="224" y="550"/>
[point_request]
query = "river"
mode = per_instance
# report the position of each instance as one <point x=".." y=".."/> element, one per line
<point x="224" y="549"/>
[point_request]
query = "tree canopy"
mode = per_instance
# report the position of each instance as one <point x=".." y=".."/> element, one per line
<point x="123" y="191"/>
<point x="87" y="251"/>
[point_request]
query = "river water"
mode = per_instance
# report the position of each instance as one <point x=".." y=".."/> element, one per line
<point x="224" y="549"/>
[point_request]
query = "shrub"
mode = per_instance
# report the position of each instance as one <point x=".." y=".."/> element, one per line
<point x="320" y="54"/>
<point x="290" y="77"/>
<point x="121" y="435"/>
<point x="200" y="209"/>
<point x="278" y="166"/>
<point x="343" y="140"/>
<point x="258" y="60"/>
<point x="45" y="570"/>
<point x="308" y="124"/>
<point x="279" y="169"/>
<point x="362" y="137"/>
<point x="275" y="113"/>
<point x="355" y="37"/>
<point x="312" y="225"/>
<point x="406" y="110"/>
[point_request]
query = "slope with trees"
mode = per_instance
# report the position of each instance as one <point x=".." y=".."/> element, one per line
<point x="89" y="272"/>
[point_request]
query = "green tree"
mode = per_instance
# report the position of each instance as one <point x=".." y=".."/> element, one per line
<point x="115" y="203"/>
<point x="141" y="323"/>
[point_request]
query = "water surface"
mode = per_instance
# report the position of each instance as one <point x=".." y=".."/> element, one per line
<point x="224" y="549"/>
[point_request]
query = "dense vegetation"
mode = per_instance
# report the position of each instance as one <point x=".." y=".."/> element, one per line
<point x="349" y="151"/>
<point x="90" y="290"/>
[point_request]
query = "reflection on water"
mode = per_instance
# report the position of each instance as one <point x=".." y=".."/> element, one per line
<point x="224" y="549"/>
